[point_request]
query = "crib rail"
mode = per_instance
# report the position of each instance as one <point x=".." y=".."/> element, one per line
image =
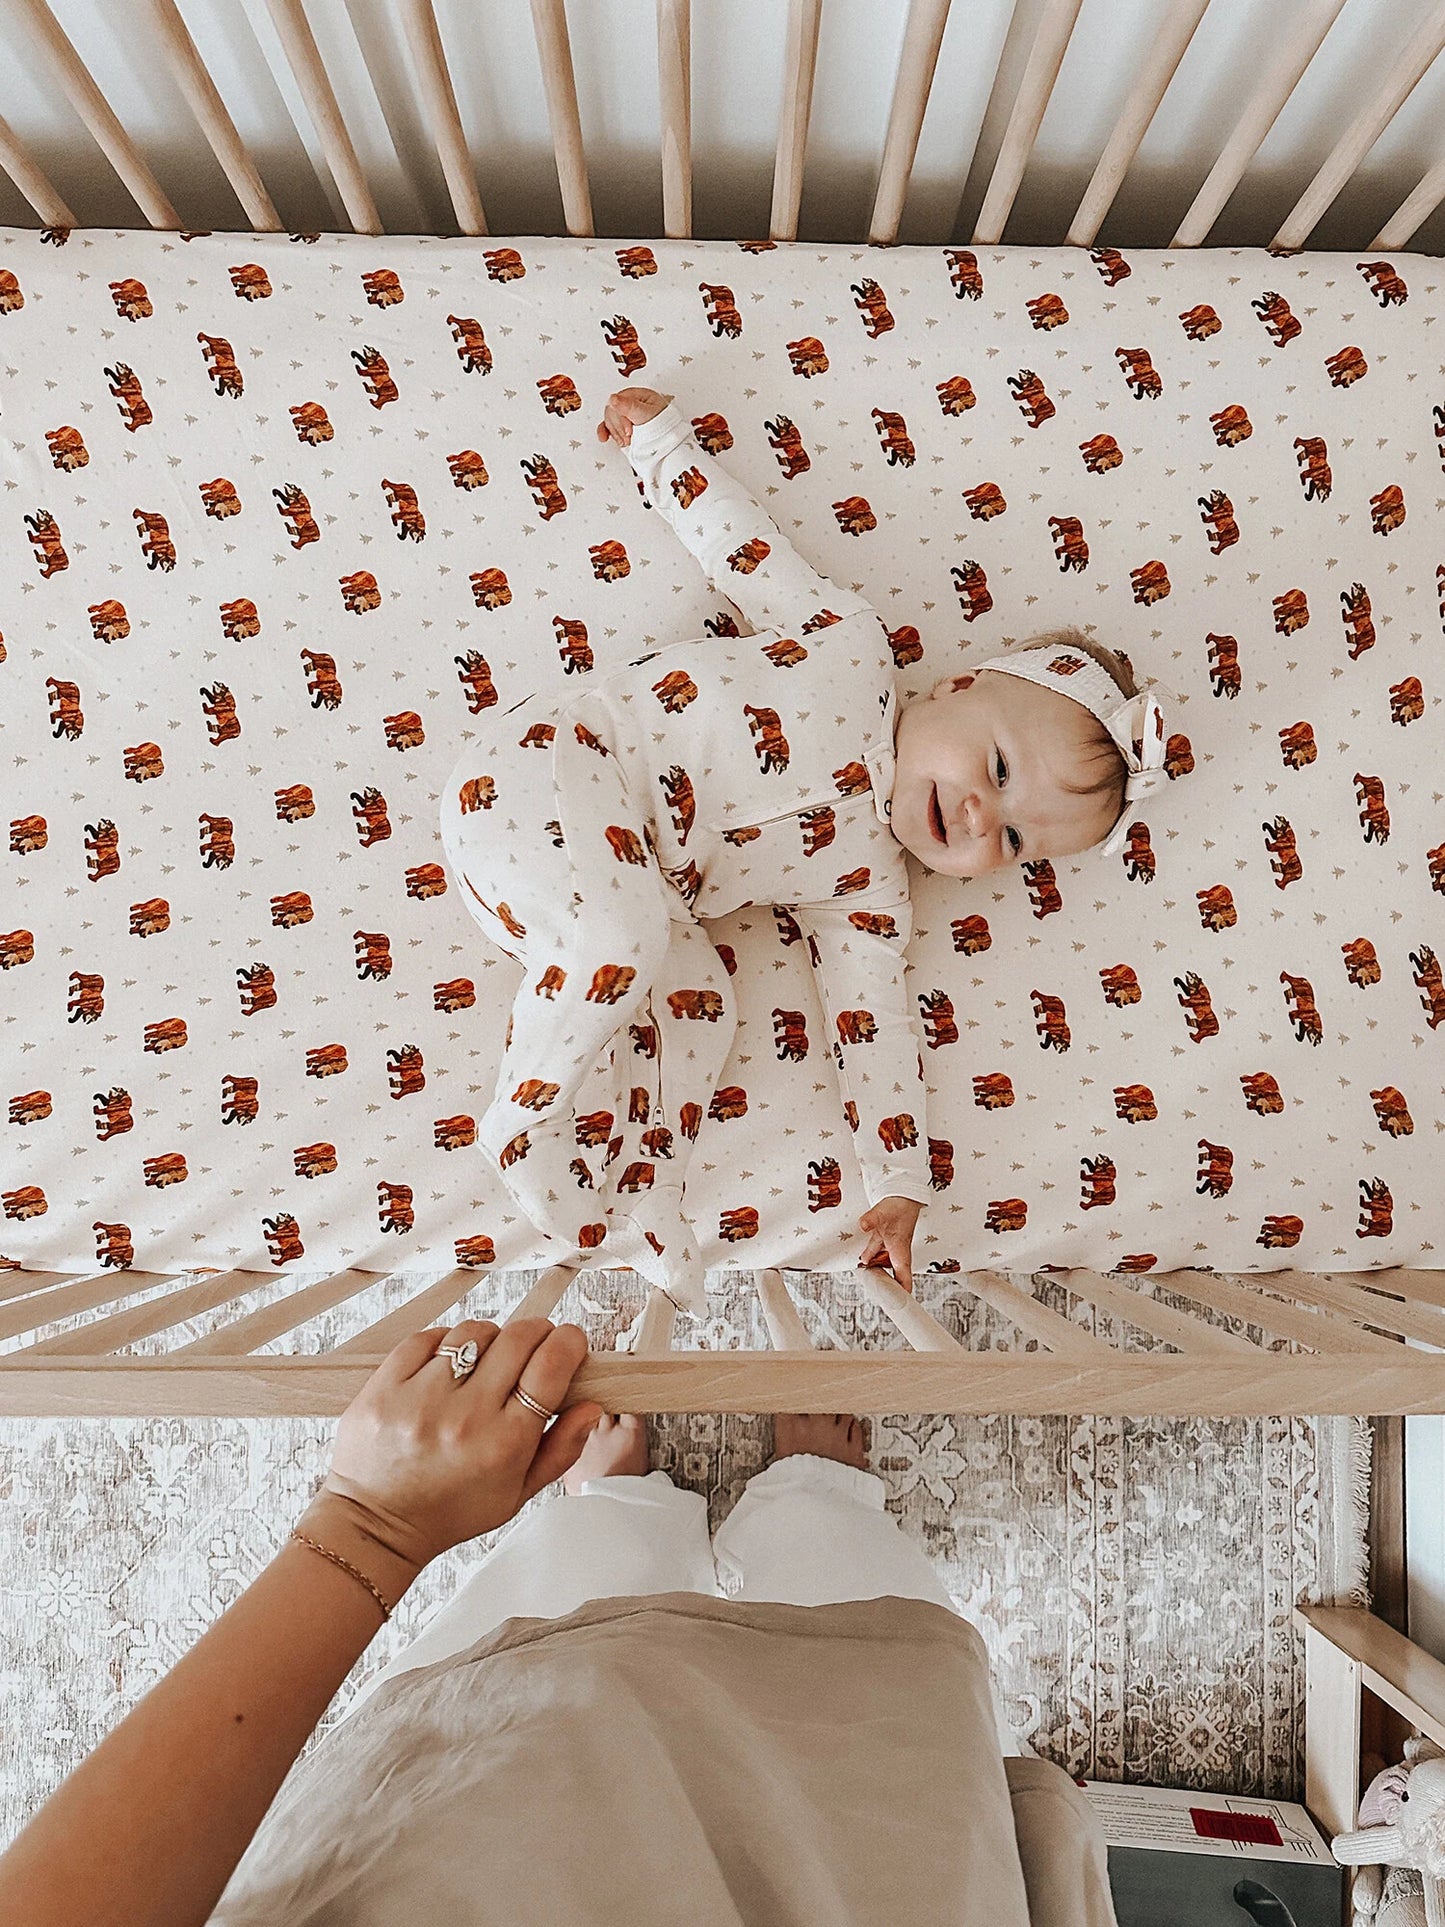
<point x="1367" y="1342"/>
<point x="1301" y="32"/>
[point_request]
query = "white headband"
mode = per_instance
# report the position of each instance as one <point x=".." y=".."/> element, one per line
<point x="1135" y="723"/>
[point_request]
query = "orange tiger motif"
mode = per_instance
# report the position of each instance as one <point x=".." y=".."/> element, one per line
<point x="67" y="448"/>
<point x="395" y="1207"/>
<point x="807" y="356"/>
<point x="1392" y="1112"/>
<point x="1274" y="311"/>
<point x="220" y="366"/>
<point x="383" y="288"/>
<point x="1140" y="373"/>
<point x="467" y="469"/>
<point x="627" y="350"/>
<point x="375" y="374"/>
<point x="1101" y="454"/>
<point x="108" y="621"/>
<point x="788" y="446"/>
<point x="311" y="422"/>
<point x="1215" y="1177"/>
<point x="134" y="408"/>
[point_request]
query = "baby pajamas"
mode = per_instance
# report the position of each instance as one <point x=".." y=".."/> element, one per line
<point x="595" y="836"/>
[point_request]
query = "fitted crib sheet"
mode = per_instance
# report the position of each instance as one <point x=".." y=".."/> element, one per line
<point x="284" y="516"/>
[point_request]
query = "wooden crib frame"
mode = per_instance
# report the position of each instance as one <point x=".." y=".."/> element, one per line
<point x="1362" y="1330"/>
<point x="1298" y="40"/>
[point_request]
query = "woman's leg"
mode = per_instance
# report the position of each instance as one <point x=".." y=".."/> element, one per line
<point x="813" y="1528"/>
<point x="613" y="1534"/>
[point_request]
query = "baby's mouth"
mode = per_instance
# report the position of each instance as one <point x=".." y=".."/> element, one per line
<point x="935" y="817"/>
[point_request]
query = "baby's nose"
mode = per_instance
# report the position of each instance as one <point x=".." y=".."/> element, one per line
<point x="975" y="815"/>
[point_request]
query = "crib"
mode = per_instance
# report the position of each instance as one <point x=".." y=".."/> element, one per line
<point x="1219" y="1341"/>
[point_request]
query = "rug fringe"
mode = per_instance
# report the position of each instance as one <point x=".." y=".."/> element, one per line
<point x="1352" y="1536"/>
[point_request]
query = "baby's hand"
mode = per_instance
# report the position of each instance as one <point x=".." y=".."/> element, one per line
<point x="890" y="1226"/>
<point x="628" y="408"/>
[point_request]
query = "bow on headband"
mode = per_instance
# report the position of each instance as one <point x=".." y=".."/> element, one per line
<point x="1135" y="723"/>
<point x="1137" y="728"/>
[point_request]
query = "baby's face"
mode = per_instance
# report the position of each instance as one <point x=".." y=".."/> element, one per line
<point x="977" y="785"/>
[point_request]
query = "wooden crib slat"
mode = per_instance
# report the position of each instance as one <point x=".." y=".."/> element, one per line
<point x="144" y="1321"/>
<point x="1190" y="1335"/>
<point x="919" y="1327"/>
<point x="304" y="59"/>
<point x="439" y="102"/>
<point x="67" y="1299"/>
<point x="1413" y="211"/>
<point x="800" y="60"/>
<point x="1376" y="112"/>
<point x="1140" y="1385"/>
<point x="1417" y="1287"/>
<point x="34" y="184"/>
<point x="20" y="1283"/>
<point x="1300" y="38"/>
<point x="216" y="124"/>
<point x="1171" y="39"/>
<point x="917" y="62"/>
<point x="1321" y="1330"/>
<point x="291" y="1310"/>
<point x="1056" y="23"/>
<point x="417" y="1314"/>
<point x="785" y="1327"/>
<point x="545" y="1296"/>
<point x="674" y="78"/>
<point x="95" y="110"/>
<point x="659" y="1321"/>
<point x="1410" y="1321"/>
<point x="554" y="48"/>
<point x="1016" y="1301"/>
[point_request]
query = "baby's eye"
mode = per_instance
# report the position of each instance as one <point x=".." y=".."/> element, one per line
<point x="1000" y="768"/>
<point x="1015" y="841"/>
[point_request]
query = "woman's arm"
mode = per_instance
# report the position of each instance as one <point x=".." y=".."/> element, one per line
<point x="147" y="1830"/>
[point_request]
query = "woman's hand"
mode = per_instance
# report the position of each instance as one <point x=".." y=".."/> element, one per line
<point x="627" y="409"/>
<point x="423" y="1461"/>
<point x="890" y="1227"/>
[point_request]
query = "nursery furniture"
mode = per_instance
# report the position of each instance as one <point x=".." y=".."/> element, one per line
<point x="286" y="513"/>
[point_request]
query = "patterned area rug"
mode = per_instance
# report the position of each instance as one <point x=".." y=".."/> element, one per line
<point x="1134" y="1579"/>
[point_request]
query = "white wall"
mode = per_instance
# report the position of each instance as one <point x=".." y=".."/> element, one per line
<point x="737" y="74"/>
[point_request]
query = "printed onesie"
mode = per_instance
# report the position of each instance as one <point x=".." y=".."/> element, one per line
<point x="595" y="835"/>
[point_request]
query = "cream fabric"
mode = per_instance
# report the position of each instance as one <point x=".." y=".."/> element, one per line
<point x="264" y="587"/>
<point x="806" y="1531"/>
<point x="667" y="1760"/>
<point x="699" y="780"/>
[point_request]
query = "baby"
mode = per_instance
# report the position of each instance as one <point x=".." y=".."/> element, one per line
<point x="596" y="835"/>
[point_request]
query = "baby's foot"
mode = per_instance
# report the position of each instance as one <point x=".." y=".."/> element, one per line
<point x="826" y="1435"/>
<point x="617" y="1444"/>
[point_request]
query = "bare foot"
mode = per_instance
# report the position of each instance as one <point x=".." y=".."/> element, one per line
<point x="827" y="1435"/>
<point x="618" y="1444"/>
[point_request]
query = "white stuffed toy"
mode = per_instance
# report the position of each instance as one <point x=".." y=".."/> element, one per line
<point x="1406" y="1806"/>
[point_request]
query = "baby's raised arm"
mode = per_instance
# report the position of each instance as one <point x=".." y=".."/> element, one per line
<point x="746" y="556"/>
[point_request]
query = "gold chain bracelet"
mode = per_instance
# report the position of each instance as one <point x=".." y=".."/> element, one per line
<point x="346" y="1566"/>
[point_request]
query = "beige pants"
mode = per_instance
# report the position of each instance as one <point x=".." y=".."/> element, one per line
<point x="806" y="1532"/>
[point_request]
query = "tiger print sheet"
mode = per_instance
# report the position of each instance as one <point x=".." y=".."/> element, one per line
<point x="283" y="516"/>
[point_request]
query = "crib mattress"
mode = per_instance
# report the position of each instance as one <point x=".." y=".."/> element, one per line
<point x="271" y="547"/>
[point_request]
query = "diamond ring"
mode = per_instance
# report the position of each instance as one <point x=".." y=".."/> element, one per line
<point x="463" y="1357"/>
